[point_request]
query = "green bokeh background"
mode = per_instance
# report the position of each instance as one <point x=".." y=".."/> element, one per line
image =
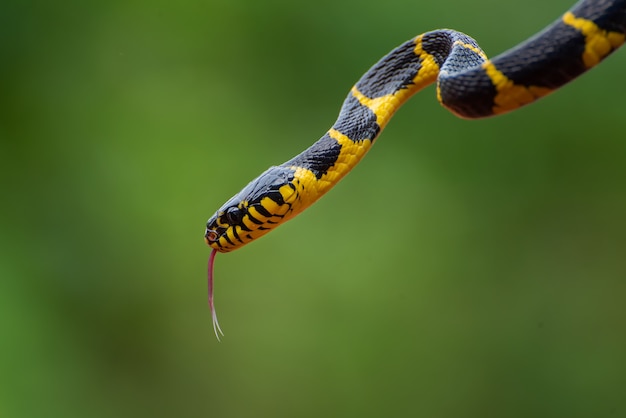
<point x="464" y="269"/>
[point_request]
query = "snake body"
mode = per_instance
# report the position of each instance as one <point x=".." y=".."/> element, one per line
<point x="468" y="84"/>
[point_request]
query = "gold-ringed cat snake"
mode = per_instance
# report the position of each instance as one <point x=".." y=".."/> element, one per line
<point x="468" y="84"/>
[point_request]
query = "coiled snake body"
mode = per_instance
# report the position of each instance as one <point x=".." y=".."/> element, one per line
<point x="468" y="84"/>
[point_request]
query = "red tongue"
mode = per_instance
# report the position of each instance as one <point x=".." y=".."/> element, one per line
<point x="216" y="325"/>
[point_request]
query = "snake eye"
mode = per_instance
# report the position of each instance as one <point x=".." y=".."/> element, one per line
<point x="234" y="215"/>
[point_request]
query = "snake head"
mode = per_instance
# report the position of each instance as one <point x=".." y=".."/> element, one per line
<point x="259" y="207"/>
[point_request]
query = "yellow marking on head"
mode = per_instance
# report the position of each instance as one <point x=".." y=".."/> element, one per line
<point x="510" y="95"/>
<point x="248" y="223"/>
<point x="273" y="207"/>
<point x="231" y="235"/>
<point x="598" y="42"/>
<point x="256" y="214"/>
<point x="288" y="194"/>
<point x="240" y="232"/>
<point x="223" y="242"/>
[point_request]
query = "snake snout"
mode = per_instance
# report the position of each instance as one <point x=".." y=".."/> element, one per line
<point x="211" y="236"/>
<point x="213" y="231"/>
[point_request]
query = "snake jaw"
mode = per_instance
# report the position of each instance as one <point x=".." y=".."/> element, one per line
<point x="216" y="324"/>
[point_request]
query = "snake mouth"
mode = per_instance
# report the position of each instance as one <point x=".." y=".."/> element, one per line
<point x="212" y="236"/>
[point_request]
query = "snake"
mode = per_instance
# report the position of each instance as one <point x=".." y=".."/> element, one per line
<point x="468" y="84"/>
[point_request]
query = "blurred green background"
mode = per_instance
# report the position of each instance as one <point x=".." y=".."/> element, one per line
<point x="465" y="268"/>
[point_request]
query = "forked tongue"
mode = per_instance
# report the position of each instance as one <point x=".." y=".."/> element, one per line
<point x="216" y="325"/>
